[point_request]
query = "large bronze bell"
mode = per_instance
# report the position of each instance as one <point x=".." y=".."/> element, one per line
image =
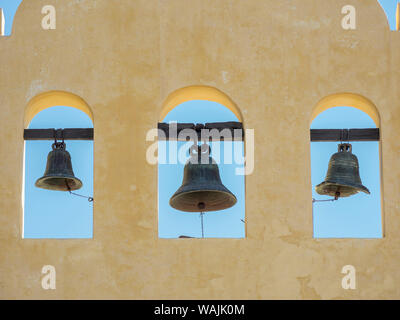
<point x="59" y="175"/>
<point x="202" y="189"/>
<point x="343" y="177"/>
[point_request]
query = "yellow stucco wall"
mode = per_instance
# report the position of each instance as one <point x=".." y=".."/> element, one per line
<point x="275" y="61"/>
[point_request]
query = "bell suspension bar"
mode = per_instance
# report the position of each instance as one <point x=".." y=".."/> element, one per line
<point x="325" y="135"/>
<point x="59" y="134"/>
<point x="227" y="131"/>
<point x="316" y="135"/>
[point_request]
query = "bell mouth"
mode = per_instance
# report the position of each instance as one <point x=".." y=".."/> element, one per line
<point x="327" y="188"/>
<point x="203" y="201"/>
<point x="59" y="183"/>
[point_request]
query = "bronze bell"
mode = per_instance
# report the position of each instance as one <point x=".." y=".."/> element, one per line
<point x="202" y="189"/>
<point x="343" y="177"/>
<point x="59" y="175"/>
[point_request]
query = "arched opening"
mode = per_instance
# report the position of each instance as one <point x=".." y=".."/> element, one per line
<point x="200" y="105"/>
<point x="358" y="213"/>
<point x="347" y="99"/>
<point x="7" y="14"/>
<point x="49" y="210"/>
<point x="205" y="93"/>
<point x="392" y="11"/>
<point x="54" y="98"/>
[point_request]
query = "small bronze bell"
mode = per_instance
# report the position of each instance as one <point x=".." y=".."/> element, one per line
<point x="202" y="189"/>
<point x="343" y="177"/>
<point x="59" y="175"/>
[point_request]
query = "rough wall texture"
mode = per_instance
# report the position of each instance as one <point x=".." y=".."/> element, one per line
<point x="276" y="60"/>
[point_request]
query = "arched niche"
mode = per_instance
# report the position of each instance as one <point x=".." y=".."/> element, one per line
<point x="361" y="215"/>
<point x="74" y="214"/>
<point x="207" y="93"/>
<point x="347" y="99"/>
<point x="54" y="98"/>
<point x="227" y="223"/>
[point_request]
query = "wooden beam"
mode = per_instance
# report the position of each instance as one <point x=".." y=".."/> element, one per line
<point x="66" y="134"/>
<point x="325" y="135"/>
<point x="226" y="131"/>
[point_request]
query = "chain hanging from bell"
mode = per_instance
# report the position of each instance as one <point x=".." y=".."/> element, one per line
<point x="59" y="175"/>
<point x="343" y="176"/>
<point x="202" y="189"/>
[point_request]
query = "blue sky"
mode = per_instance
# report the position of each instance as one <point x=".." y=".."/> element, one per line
<point x="58" y="214"/>
<point x="10" y="7"/>
<point x="358" y="216"/>
<point x="221" y="224"/>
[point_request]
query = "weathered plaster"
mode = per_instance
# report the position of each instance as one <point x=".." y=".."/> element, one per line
<point x="276" y="60"/>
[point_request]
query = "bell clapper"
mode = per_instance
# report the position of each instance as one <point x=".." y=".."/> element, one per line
<point x="201" y="206"/>
<point x="202" y="224"/>
<point x="333" y="199"/>
<point x="90" y="199"/>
